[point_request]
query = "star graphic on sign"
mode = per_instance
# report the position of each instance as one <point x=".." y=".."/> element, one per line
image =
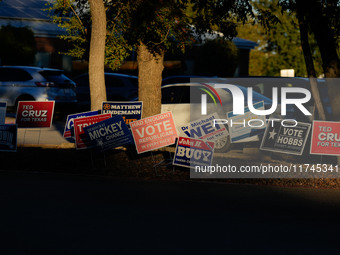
<point x="100" y="143"/>
<point x="272" y="134"/>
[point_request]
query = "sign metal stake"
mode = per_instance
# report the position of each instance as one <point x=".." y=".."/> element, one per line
<point x="39" y="136"/>
<point x="24" y="136"/>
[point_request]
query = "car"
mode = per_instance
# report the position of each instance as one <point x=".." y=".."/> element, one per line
<point x="26" y="83"/>
<point x="119" y="87"/>
<point x="182" y="79"/>
<point x="185" y="107"/>
<point x="264" y="86"/>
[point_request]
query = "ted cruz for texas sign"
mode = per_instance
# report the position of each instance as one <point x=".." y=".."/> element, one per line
<point x="325" y="138"/>
<point x="35" y="114"/>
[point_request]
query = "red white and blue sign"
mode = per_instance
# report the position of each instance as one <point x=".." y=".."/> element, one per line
<point x="325" y="138"/>
<point x="130" y="111"/>
<point x="8" y="137"/>
<point x="35" y="114"/>
<point x="192" y="152"/>
<point x="68" y="130"/>
<point x="109" y="134"/>
<point x="205" y="129"/>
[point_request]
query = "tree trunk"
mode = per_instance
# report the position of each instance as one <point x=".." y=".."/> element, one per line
<point x="150" y="68"/>
<point x="97" y="54"/>
<point x="309" y="61"/>
<point x="319" y="25"/>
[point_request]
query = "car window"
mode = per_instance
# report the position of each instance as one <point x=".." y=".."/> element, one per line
<point x="171" y="95"/>
<point x="259" y="88"/>
<point x="185" y="98"/>
<point x="195" y="95"/>
<point x="83" y="81"/>
<point x="55" y="76"/>
<point x="134" y="81"/>
<point x="176" y="95"/>
<point x="115" y="82"/>
<point x="13" y="74"/>
<point x="174" y="80"/>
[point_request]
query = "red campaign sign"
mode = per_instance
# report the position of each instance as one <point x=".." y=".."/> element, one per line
<point x="35" y="114"/>
<point x="192" y="152"/>
<point x="79" y="133"/>
<point x="325" y="138"/>
<point x="154" y="132"/>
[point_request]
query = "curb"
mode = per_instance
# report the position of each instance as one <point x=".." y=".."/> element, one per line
<point x="49" y="146"/>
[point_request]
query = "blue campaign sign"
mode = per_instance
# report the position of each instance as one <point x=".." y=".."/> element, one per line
<point x="205" y="129"/>
<point x="68" y="130"/>
<point x="130" y="111"/>
<point x="8" y="137"/>
<point x="193" y="152"/>
<point x="109" y="134"/>
<point x="3" y="107"/>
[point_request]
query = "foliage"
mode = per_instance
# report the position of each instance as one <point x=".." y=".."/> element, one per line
<point x="17" y="46"/>
<point x="329" y="9"/>
<point x="74" y="16"/>
<point x="279" y="43"/>
<point x="216" y="58"/>
<point x="159" y="24"/>
<point x="321" y="17"/>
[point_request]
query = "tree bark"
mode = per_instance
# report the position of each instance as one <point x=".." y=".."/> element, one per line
<point x="150" y="68"/>
<point x="97" y="54"/>
<point x="319" y="24"/>
<point x="309" y="61"/>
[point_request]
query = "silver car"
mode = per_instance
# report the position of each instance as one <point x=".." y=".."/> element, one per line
<point x="23" y="83"/>
<point x="181" y="98"/>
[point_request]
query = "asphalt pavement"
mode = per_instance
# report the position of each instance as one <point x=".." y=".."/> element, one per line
<point x="70" y="214"/>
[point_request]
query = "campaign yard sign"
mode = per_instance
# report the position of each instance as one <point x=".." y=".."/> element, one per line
<point x="109" y="134"/>
<point x="130" y="111"/>
<point x="192" y="152"/>
<point x="35" y="114"/>
<point x="325" y="138"/>
<point x="8" y="137"/>
<point x="68" y="130"/>
<point x="205" y="129"/>
<point x="249" y="131"/>
<point x="288" y="139"/>
<point x="79" y="134"/>
<point x="3" y="107"/>
<point x="154" y="132"/>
